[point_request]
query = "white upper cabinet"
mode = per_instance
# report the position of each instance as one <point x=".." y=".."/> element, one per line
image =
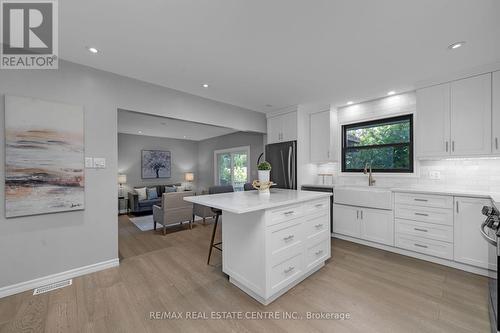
<point x="322" y="131"/>
<point x="471" y="116"/>
<point x="496" y="113"/>
<point x="282" y="127"/>
<point x="433" y="120"/>
<point x="455" y="118"/>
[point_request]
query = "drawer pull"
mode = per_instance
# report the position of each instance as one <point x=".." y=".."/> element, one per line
<point x="418" y="229"/>
<point x="289" y="212"/>
<point x="422" y="200"/>
<point x="319" y="225"/>
<point x="287" y="238"/>
<point x="289" y="269"/>
<point x="421" y="214"/>
<point x="419" y="245"/>
<point x="318" y="252"/>
<point x="318" y="205"/>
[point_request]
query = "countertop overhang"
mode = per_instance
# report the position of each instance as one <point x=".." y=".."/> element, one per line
<point x="251" y="201"/>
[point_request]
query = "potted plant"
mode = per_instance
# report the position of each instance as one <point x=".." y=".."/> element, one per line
<point x="264" y="171"/>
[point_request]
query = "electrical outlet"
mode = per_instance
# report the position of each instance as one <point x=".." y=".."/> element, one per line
<point x="89" y="162"/>
<point x="436" y="175"/>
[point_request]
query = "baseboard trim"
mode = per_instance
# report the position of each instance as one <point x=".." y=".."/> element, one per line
<point x="42" y="281"/>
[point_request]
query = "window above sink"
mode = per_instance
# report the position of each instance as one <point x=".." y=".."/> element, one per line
<point x="385" y="144"/>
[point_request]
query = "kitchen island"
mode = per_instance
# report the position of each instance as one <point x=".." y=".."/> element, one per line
<point x="270" y="243"/>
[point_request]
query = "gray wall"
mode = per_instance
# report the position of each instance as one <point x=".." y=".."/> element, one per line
<point x="184" y="155"/>
<point x="37" y="246"/>
<point x="206" y="154"/>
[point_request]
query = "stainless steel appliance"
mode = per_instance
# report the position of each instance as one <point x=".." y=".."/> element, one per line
<point x="283" y="159"/>
<point x="491" y="233"/>
<point x="322" y="188"/>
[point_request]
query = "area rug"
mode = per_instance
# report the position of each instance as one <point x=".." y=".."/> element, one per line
<point x="144" y="223"/>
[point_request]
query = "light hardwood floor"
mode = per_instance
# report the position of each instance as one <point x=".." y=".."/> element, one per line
<point x="382" y="292"/>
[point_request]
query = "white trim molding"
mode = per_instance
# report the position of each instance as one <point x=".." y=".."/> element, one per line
<point x="45" y="280"/>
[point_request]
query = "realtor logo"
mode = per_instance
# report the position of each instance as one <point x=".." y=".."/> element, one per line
<point x="28" y="36"/>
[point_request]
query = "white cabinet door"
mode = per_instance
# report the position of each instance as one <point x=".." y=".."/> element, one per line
<point x="320" y="145"/>
<point x="274" y="129"/>
<point x="471" y="116"/>
<point x="289" y="126"/>
<point x="469" y="245"/>
<point x="377" y="226"/>
<point x="433" y="121"/>
<point x="346" y="220"/>
<point x="496" y="113"/>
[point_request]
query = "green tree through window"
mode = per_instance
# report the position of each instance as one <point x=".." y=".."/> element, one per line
<point x="386" y="144"/>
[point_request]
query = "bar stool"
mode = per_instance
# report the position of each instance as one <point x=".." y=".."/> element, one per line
<point x="218" y="213"/>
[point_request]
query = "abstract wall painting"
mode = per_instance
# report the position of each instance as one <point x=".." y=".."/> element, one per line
<point x="44" y="159"/>
<point x="156" y="164"/>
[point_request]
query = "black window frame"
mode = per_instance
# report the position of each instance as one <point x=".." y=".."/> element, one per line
<point x="381" y="121"/>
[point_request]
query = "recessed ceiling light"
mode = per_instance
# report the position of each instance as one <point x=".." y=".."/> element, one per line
<point x="93" y="50"/>
<point x="269" y="105"/>
<point x="140" y="132"/>
<point x="350" y="103"/>
<point x="456" y="45"/>
<point x="392" y="92"/>
<point x="184" y="136"/>
<point x="205" y="85"/>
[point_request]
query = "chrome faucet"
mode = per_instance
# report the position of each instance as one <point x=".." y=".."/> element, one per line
<point x="368" y="170"/>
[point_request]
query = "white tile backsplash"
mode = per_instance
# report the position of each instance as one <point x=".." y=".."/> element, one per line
<point x="473" y="174"/>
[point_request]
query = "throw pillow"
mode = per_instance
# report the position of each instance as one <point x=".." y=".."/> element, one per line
<point x="170" y="189"/>
<point x="142" y="193"/>
<point x="152" y="194"/>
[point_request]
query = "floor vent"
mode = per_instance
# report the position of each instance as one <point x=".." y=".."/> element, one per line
<point x="52" y="286"/>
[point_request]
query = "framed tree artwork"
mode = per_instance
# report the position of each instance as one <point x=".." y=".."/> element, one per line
<point x="156" y="164"/>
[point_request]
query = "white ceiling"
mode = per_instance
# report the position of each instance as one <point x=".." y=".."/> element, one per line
<point x="281" y="52"/>
<point x="133" y="122"/>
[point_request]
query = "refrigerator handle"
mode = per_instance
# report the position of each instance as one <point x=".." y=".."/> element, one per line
<point x="290" y="182"/>
<point x="283" y="166"/>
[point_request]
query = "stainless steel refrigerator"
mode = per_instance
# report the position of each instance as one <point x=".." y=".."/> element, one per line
<point x="283" y="159"/>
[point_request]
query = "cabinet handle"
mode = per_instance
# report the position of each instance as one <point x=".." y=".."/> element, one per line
<point x="361" y="214"/>
<point x="446" y="146"/>
<point x="423" y="200"/>
<point x="319" y="225"/>
<point x="289" y="212"/>
<point x="319" y="252"/>
<point x="418" y="229"/>
<point x="287" y="238"/>
<point x="496" y="143"/>
<point x="328" y="154"/>
<point x="318" y="205"/>
<point x="458" y="210"/>
<point x="419" y="245"/>
<point x="357" y="215"/>
<point x="453" y="146"/>
<point x="289" y="269"/>
<point x="421" y="214"/>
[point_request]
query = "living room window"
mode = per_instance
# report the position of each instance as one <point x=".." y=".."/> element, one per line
<point x="232" y="167"/>
<point x="386" y="144"/>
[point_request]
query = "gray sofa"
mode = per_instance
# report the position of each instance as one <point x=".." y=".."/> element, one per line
<point x="137" y="206"/>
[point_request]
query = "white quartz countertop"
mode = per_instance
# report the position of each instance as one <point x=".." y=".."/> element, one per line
<point x="250" y="201"/>
<point x="439" y="190"/>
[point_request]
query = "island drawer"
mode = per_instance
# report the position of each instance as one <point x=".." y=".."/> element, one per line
<point x="317" y="226"/>
<point x="285" y="235"/>
<point x="424" y="214"/>
<point x="284" y="214"/>
<point x="317" y="206"/>
<point x="426" y="246"/>
<point x="426" y="230"/>
<point x="284" y="272"/>
<point x="317" y="253"/>
<point x="424" y="200"/>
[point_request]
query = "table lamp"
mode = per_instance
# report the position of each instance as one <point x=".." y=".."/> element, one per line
<point x="189" y="177"/>
<point x="122" y="179"/>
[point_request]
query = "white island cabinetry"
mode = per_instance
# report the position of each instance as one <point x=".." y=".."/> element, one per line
<point x="270" y="244"/>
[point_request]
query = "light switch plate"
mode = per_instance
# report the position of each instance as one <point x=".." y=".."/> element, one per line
<point x="89" y="162"/>
<point x="436" y="175"/>
<point x="99" y="162"/>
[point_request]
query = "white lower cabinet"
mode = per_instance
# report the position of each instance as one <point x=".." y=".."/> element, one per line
<point x="376" y="225"/>
<point x="470" y="246"/>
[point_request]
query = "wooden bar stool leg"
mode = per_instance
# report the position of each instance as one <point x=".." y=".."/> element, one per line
<point x="213" y="238"/>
